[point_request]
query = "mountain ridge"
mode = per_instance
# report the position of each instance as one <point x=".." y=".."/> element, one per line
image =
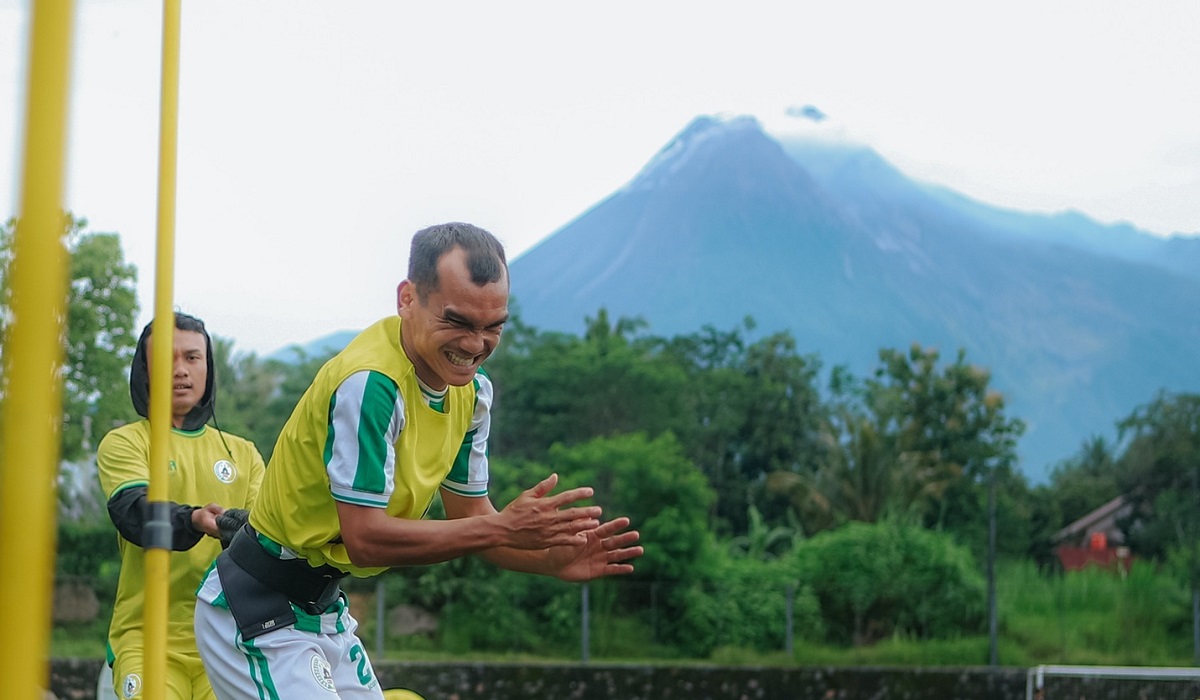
<point x="1078" y="322"/>
<point x="833" y="244"/>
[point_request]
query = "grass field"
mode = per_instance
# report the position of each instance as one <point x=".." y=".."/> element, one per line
<point x="1096" y="617"/>
<point x="1091" y="617"/>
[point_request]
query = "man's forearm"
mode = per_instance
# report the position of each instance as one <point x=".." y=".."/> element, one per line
<point x="526" y="561"/>
<point x="127" y="510"/>
<point x="373" y="538"/>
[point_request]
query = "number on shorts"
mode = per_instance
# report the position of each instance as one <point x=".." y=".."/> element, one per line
<point x="357" y="654"/>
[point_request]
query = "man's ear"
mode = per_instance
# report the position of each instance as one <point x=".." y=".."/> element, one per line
<point x="404" y="295"/>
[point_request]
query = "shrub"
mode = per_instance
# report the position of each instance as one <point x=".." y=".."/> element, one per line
<point x="877" y="580"/>
<point x="84" y="548"/>
<point x="742" y="602"/>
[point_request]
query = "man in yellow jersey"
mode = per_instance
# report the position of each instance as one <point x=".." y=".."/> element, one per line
<point x="399" y="416"/>
<point x="209" y="471"/>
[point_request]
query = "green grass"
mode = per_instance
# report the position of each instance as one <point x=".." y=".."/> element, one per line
<point x="1089" y="617"/>
<point x="1095" y="616"/>
<point x="81" y="641"/>
<point x="965" y="651"/>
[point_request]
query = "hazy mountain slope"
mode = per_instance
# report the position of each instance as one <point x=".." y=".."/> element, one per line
<point x="1072" y="317"/>
<point x="837" y="247"/>
<point x="314" y="348"/>
<point x="720" y="225"/>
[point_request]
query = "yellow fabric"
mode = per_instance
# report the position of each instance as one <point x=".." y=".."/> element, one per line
<point x="199" y="472"/>
<point x="186" y="678"/>
<point x="296" y="508"/>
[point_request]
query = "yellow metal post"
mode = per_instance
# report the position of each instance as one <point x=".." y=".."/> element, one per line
<point x="158" y="552"/>
<point x="33" y="358"/>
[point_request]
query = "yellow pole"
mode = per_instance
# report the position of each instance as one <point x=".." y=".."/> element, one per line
<point x="33" y="358"/>
<point x="158" y="539"/>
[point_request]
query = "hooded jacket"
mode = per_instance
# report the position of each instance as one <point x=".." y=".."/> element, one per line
<point x="128" y="508"/>
<point x="139" y="383"/>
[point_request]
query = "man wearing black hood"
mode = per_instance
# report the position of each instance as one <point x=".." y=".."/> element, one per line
<point x="207" y="467"/>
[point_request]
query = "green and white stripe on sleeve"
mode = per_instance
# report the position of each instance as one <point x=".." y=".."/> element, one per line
<point x="469" y="475"/>
<point x="366" y="415"/>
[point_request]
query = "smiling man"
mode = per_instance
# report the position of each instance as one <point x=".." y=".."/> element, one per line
<point x="397" y="418"/>
<point x="208" y="471"/>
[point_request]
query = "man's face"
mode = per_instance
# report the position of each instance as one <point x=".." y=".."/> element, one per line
<point x="456" y="328"/>
<point x="190" y="374"/>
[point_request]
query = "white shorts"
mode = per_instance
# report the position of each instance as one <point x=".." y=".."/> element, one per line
<point x="322" y="659"/>
<point x="104" y="684"/>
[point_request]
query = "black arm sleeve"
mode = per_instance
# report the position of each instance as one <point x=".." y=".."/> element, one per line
<point x="127" y="509"/>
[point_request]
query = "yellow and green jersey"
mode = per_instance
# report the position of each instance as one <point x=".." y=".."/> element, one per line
<point x="368" y="432"/>
<point x="200" y="471"/>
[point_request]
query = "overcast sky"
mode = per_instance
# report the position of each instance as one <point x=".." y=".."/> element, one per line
<point x="315" y="136"/>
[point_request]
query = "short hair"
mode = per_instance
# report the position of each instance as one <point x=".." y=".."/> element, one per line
<point x="183" y="322"/>
<point x="187" y="322"/>
<point x="485" y="255"/>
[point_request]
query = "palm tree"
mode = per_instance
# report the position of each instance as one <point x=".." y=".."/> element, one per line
<point x="863" y="475"/>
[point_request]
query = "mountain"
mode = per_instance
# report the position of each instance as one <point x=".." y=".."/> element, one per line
<point x="314" y="348"/>
<point x="1078" y="322"/>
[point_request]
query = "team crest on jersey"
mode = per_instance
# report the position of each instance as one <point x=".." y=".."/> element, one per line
<point x="225" y="471"/>
<point x="131" y="686"/>
<point x="321" y="672"/>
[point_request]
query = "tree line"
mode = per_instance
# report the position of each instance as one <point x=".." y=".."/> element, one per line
<point x="741" y="460"/>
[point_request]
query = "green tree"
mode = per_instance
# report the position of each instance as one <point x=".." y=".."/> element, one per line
<point x="916" y="441"/>
<point x="861" y="477"/>
<point x="761" y="541"/>
<point x="756" y="411"/>
<point x="717" y="394"/>
<point x="876" y="580"/>
<point x="954" y="428"/>
<point x="951" y="421"/>
<point x="1160" y="473"/>
<point x="649" y="480"/>
<point x="784" y="413"/>
<point x="742" y="603"/>
<point x="255" y="397"/>
<point x="556" y="388"/>
<point x="1086" y="481"/>
<point x="653" y="482"/>
<point x="605" y="334"/>
<point x="99" y="337"/>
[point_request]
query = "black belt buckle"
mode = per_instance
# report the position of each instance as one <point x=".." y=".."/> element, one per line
<point x="328" y="595"/>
